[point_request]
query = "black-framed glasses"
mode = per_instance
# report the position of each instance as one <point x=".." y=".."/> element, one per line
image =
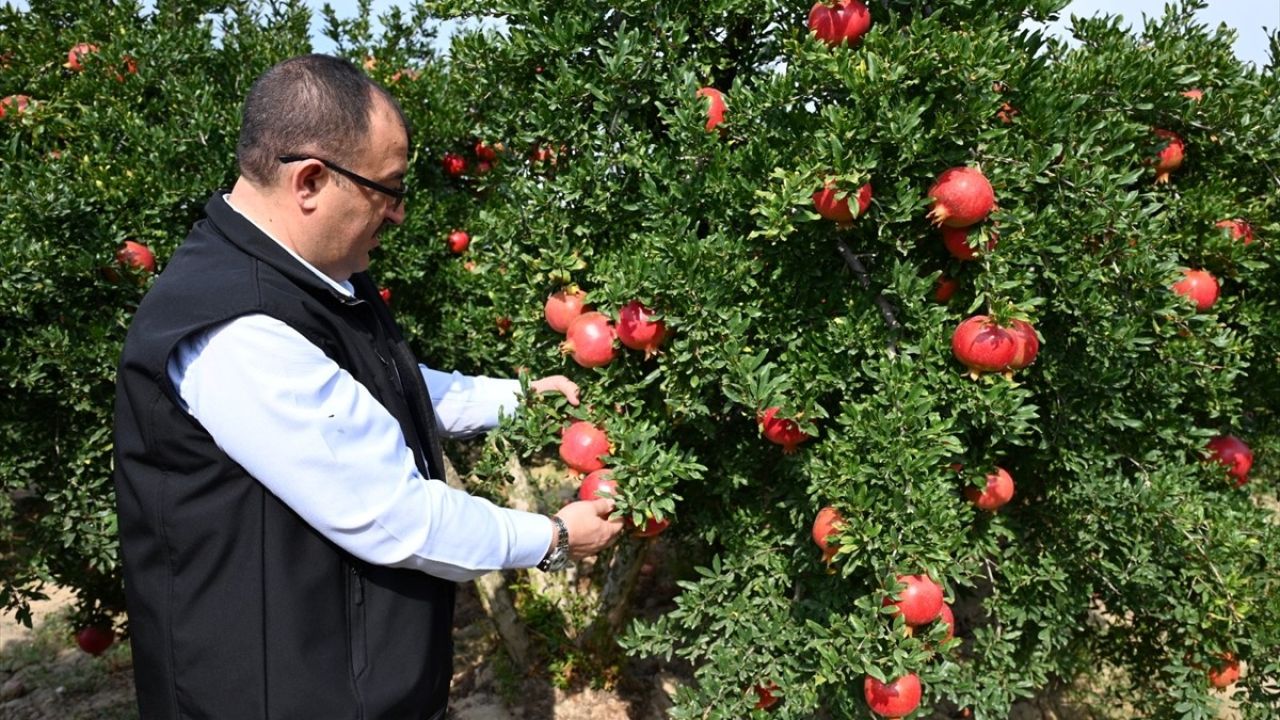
<point x="397" y="196"/>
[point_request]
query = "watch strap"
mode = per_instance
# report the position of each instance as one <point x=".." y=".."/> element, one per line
<point x="557" y="558"/>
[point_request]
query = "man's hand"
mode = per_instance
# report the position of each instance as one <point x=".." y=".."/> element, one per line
<point x="557" y="383"/>
<point x="590" y="529"/>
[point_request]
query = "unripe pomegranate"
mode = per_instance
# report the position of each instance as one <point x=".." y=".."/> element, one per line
<point x="838" y="210"/>
<point x="961" y="197"/>
<point x="589" y="339"/>
<point x="956" y="240"/>
<point x="1239" y="229"/>
<point x="638" y="331"/>
<point x="825" y="526"/>
<point x="17" y="103"/>
<point x="454" y="164"/>
<point x="895" y="699"/>
<point x="767" y="698"/>
<point x="598" y="484"/>
<point x="1026" y="345"/>
<point x="983" y="346"/>
<point x="1232" y="452"/>
<point x="944" y="289"/>
<point x="839" y="21"/>
<point x="998" y="491"/>
<point x="919" y="602"/>
<point x="563" y="307"/>
<point x="1226" y="673"/>
<point x="715" y="106"/>
<point x="582" y="444"/>
<point x="77" y="54"/>
<point x="1170" y="156"/>
<point x="948" y="618"/>
<point x="1200" y="287"/>
<point x="95" y="639"/>
<point x="459" y="240"/>
<point x="782" y="431"/>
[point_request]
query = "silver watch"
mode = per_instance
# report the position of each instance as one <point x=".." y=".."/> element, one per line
<point x="557" y="557"/>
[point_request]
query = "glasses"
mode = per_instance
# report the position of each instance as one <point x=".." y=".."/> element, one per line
<point x="396" y="195"/>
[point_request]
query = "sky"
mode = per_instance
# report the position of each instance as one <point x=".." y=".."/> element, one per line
<point x="1248" y="17"/>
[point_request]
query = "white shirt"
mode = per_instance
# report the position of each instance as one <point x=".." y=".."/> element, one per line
<point x="318" y="440"/>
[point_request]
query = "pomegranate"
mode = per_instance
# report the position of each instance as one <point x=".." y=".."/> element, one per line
<point x="1232" y="452"/>
<point x="77" y="54"/>
<point x="715" y="106"/>
<point x="838" y="209"/>
<point x="765" y="692"/>
<point x="998" y="491"/>
<point x="956" y="240"/>
<point x="582" y="444"/>
<point x="589" y="339"/>
<point x="920" y="602"/>
<point x="1026" y="345"/>
<point x="130" y="67"/>
<point x="1170" y="156"/>
<point x="136" y="256"/>
<point x="983" y="346"/>
<point x="598" y="484"/>
<point x="1006" y="113"/>
<point x="1199" y="286"/>
<point x="894" y="699"/>
<point x="1238" y="228"/>
<point x="961" y="197"/>
<point x="95" y="639"/>
<point x="638" y="331"/>
<point x="652" y="527"/>
<point x="385" y="294"/>
<point x="485" y="152"/>
<point x="563" y="306"/>
<point x="18" y="103"/>
<point x="458" y="241"/>
<point x="1226" y="673"/>
<point x="454" y="165"/>
<point x="949" y="618"/>
<point x="839" y="21"/>
<point x="1194" y="94"/>
<point x="944" y="289"/>
<point x="782" y="431"/>
<point x="825" y="526"/>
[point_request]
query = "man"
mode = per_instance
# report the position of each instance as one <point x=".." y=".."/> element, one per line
<point x="289" y="549"/>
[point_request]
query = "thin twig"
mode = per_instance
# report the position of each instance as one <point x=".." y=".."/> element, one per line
<point x="886" y="308"/>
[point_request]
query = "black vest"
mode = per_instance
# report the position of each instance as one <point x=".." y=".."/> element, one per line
<point x="239" y="610"/>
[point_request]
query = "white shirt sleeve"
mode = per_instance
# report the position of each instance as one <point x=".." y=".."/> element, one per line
<point x="467" y="405"/>
<point x="320" y="441"/>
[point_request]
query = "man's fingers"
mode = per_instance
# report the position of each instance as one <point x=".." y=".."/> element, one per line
<point x="603" y="507"/>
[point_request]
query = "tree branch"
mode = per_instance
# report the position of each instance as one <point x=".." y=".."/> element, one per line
<point x="887" y="310"/>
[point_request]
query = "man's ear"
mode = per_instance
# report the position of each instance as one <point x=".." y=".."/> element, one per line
<point x="305" y="181"/>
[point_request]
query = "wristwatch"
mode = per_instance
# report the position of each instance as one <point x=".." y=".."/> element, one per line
<point x="557" y="557"/>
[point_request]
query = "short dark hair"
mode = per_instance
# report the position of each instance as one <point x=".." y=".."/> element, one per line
<point x="311" y="104"/>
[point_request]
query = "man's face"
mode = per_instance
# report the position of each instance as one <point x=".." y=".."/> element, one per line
<point x="356" y="214"/>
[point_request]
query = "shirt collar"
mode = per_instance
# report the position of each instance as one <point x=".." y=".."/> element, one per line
<point x="345" y="287"/>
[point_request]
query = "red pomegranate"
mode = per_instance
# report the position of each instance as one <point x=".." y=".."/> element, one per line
<point x="18" y="103"/>
<point x="582" y="444"/>
<point x="459" y="241"/>
<point x="136" y="256"/>
<point x="944" y="289"/>
<point x="998" y="491"/>
<point x="838" y="210"/>
<point x="956" y="240"/>
<point x="1026" y="345"/>
<point x="563" y="307"/>
<point x="1170" y="156"/>
<point x="1199" y="286"/>
<point x="485" y="152"/>
<point x="782" y="431"/>
<point x="825" y="525"/>
<point x="638" y="330"/>
<point x="983" y="346"/>
<point x="949" y="618"/>
<point x="766" y="692"/>
<point x="839" y="21"/>
<point x="385" y="294"/>
<point x="1225" y="673"/>
<point x="961" y="197"/>
<point x="1232" y="452"/>
<point x="1194" y="94"/>
<point x="598" y="484"/>
<point x="653" y="527"/>
<point x="589" y="339"/>
<point x="454" y="165"/>
<point x="715" y="106"/>
<point x="77" y="54"/>
<point x="895" y="699"/>
<point x="95" y="639"/>
<point x="918" y="603"/>
<point x="1239" y="229"/>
